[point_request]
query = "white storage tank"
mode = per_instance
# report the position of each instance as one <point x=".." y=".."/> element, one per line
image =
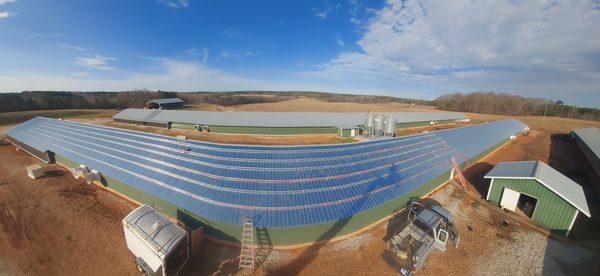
<point x="369" y="123"/>
<point x="379" y="124"/>
<point x="391" y="125"/>
<point x="160" y="246"/>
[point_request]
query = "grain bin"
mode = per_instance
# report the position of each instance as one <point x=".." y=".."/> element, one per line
<point x="369" y="123"/>
<point x="379" y="124"/>
<point x="390" y="126"/>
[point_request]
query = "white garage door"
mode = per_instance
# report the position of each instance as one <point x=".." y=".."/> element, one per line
<point x="510" y="199"/>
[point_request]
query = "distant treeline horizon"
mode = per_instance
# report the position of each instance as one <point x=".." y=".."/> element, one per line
<point x="506" y="104"/>
<point x="40" y="100"/>
<point x="476" y="102"/>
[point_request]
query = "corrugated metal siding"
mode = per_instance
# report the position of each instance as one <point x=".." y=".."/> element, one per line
<point x="413" y="124"/>
<point x="273" y="130"/>
<point x="589" y="154"/>
<point x="551" y="211"/>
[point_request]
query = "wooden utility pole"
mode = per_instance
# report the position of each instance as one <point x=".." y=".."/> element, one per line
<point x="544" y="116"/>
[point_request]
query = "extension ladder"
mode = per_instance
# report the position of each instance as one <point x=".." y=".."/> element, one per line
<point x="247" y="250"/>
<point x="461" y="178"/>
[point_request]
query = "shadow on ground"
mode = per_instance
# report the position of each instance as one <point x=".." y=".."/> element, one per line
<point x="310" y="253"/>
<point x="475" y="174"/>
<point x="581" y="254"/>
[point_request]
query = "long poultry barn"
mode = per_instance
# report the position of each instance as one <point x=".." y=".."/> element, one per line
<point x="344" y="124"/>
<point x="294" y="194"/>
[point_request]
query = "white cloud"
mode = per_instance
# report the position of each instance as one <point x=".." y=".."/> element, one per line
<point x="518" y="46"/>
<point x="225" y="54"/>
<point x="53" y="35"/>
<point x="175" y="4"/>
<point x="195" y="54"/>
<point x="353" y="11"/>
<point x="73" y="47"/>
<point x="96" y="62"/>
<point x="6" y="14"/>
<point x="2" y="2"/>
<point x="322" y="13"/>
<point x="339" y="41"/>
<point x="174" y="75"/>
<point x="80" y="74"/>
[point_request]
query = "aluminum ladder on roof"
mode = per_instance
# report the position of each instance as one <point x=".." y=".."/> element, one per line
<point x="247" y="250"/>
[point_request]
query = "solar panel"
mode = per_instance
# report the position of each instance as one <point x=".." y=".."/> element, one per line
<point x="280" y="186"/>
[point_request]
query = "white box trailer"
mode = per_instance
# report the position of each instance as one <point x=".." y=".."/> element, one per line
<point x="160" y="246"/>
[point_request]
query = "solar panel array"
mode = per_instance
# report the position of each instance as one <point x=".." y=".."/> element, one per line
<point x="278" y="186"/>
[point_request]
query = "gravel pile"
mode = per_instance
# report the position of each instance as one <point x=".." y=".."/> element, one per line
<point x="277" y="258"/>
<point x="352" y="243"/>
<point x="530" y="252"/>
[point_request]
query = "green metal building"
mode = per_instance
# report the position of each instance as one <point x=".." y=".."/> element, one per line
<point x="549" y="198"/>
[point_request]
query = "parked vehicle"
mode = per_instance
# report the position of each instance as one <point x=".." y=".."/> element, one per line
<point x="426" y="229"/>
<point x="160" y="246"/>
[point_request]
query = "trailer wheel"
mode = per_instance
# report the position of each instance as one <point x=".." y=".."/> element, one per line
<point x="139" y="268"/>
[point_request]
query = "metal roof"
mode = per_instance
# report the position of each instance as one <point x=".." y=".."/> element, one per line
<point x="278" y="186"/>
<point x="155" y="228"/>
<point x="166" y="100"/>
<point x="591" y="137"/>
<point x="276" y="119"/>
<point x="547" y="176"/>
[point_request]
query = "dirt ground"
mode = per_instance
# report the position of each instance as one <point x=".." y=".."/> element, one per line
<point x="58" y="230"/>
<point x="58" y="225"/>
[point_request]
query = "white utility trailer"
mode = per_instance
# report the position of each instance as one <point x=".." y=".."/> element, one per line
<point x="160" y="246"/>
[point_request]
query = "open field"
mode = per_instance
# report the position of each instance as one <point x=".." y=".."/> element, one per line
<point x="315" y="105"/>
<point x="79" y="229"/>
<point x="21" y="116"/>
<point x="8" y="119"/>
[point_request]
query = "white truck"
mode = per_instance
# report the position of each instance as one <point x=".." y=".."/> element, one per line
<point x="427" y="228"/>
<point x="160" y="246"/>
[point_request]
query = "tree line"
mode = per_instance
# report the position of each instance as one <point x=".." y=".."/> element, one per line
<point x="505" y="104"/>
<point x="49" y="100"/>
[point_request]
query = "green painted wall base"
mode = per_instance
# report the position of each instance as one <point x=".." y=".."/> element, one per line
<point x="273" y="130"/>
<point x="183" y="126"/>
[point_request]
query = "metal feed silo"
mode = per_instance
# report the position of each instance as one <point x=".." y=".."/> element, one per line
<point x="369" y="123"/>
<point x="390" y="126"/>
<point x="379" y="124"/>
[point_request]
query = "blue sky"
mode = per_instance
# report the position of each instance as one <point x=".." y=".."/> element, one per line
<point x="417" y="49"/>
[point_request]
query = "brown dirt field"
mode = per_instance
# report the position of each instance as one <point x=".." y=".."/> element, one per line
<point x="315" y="105"/>
<point x="417" y="130"/>
<point x="57" y="225"/>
